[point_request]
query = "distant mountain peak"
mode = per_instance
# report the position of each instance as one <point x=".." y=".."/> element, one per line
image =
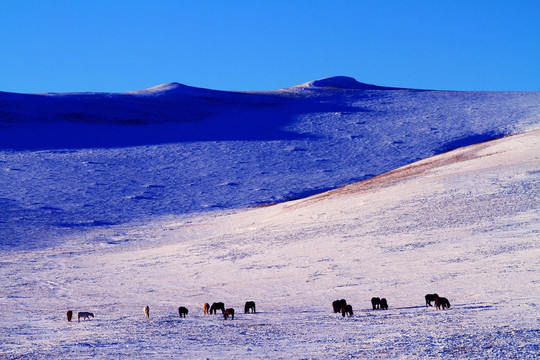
<point x="160" y="89"/>
<point x="339" y="82"/>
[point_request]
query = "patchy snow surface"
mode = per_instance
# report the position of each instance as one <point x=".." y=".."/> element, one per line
<point x="110" y="216"/>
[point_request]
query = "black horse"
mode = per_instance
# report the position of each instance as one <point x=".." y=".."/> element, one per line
<point x="347" y="310"/>
<point x="442" y="302"/>
<point x="375" y="302"/>
<point x="217" y="306"/>
<point x="182" y="311"/>
<point x="384" y="304"/>
<point x="228" y="312"/>
<point x="250" y="305"/>
<point x="430" y="298"/>
<point x="338" y="305"/>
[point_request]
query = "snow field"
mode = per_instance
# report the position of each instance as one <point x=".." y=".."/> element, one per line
<point x="464" y="224"/>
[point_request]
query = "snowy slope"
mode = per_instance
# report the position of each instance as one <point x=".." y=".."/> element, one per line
<point x="161" y="197"/>
<point x="73" y="162"/>
<point x="464" y="224"/>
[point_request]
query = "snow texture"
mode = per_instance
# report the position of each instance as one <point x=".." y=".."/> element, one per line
<point x="175" y="196"/>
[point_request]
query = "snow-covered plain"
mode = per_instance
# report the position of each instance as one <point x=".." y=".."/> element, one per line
<point x="168" y="217"/>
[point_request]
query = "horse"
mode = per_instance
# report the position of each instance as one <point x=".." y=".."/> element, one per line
<point x="69" y="315"/>
<point x="206" y="307"/>
<point x="346" y="310"/>
<point x="250" y="305"/>
<point x="84" y="315"/>
<point x="182" y="311"/>
<point x="384" y="304"/>
<point x="375" y="302"/>
<point x="229" y="311"/>
<point x="217" y="306"/>
<point x="442" y="302"/>
<point x="146" y="310"/>
<point x="430" y="298"/>
<point x="338" y="305"/>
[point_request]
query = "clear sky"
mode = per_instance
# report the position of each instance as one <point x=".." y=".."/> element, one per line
<point x="112" y="45"/>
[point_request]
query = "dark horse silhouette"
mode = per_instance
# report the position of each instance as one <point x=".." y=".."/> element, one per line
<point x="384" y="304"/>
<point x="84" y="315"/>
<point x="375" y="302"/>
<point x="229" y="311"/>
<point x="182" y="311"/>
<point x="442" y="302"/>
<point x="250" y="305"/>
<point x="338" y="305"/>
<point x="347" y="310"/>
<point x="430" y="298"/>
<point x="217" y="306"/>
<point x="69" y="315"/>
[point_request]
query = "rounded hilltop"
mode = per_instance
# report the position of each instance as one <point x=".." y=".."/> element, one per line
<point x="172" y="88"/>
<point x="339" y="82"/>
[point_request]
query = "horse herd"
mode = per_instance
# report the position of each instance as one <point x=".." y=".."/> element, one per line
<point x="382" y="304"/>
<point x="182" y="311"/>
<point x="338" y="306"/>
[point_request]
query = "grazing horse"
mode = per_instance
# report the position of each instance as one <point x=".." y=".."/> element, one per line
<point x="375" y="302"/>
<point x="206" y="308"/>
<point x="69" y="315"/>
<point x="430" y="298"/>
<point x="229" y="311"/>
<point x="217" y="306"/>
<point x="384" y="304"/>
<point x="146" y="310"/>
<point x="338" y="305"/>
<point x="182" y="311"/>
<point x="442" y="302"/>
<point x="347" y="309"/>
<point x="84" y="315"/>
<point x="250" y="305"/>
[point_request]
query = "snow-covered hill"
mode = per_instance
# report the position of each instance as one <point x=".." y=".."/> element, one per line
<point x="464" y="224"/>
<point x="70" y="162"/>
<point x="175" y="196"/>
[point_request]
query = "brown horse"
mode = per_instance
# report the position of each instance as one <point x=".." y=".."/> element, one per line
<point x="338" y="305"/>
<point x="442" y="302"/>
<point x="146" y="310"/>
<point x="217" y="306"/>
<point x="182" y="311"/>
<point x="384" y="304"/>
<point x="69" y="315"/>
<point x="227" y="313"/>
<point x="206" y="308"/>
<point x="375" y="302"/>
<point x="347" y="310"/>
<point x="250" y="305"/>
<point x="429" y="298"/>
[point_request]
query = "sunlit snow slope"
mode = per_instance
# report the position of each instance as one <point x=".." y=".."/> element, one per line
<point x="72" y="162"/>
<point x="464" y="224"/>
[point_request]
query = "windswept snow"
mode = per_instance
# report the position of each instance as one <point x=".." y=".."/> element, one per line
<point x="464" y="224"/>
<point x="175" y="196"/>
<point x="70" y="162"/>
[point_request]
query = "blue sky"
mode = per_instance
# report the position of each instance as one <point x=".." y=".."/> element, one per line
<point x="116" y="46"/>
